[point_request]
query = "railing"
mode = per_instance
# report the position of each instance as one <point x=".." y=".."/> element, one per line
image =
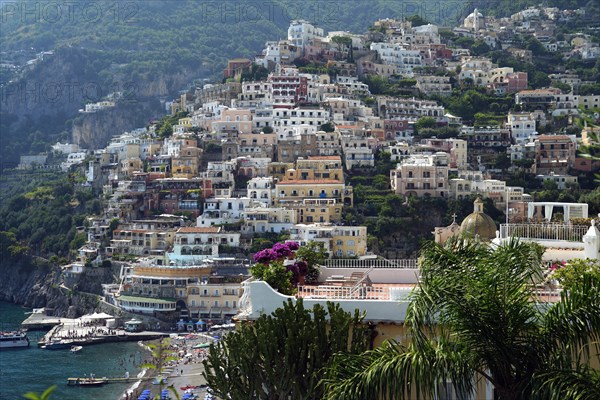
<point x="350" y="293"/>
<point x="570" y="233"/>
<point x="372" y="263"/>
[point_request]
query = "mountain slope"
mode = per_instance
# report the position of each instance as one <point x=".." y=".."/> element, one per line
<point x="105" y="46"/>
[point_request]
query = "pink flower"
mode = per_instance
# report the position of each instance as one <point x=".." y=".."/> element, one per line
<point x="265" y="256"/>
<point x="293" y="246"/>
<point x="282" y="250"/>
<point x="302" y="267"/>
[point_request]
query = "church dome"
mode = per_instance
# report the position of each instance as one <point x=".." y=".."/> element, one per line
<point x="474" y="21"/>
<point x="478" y="223"/>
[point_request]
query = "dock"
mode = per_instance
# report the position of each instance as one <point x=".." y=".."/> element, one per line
<point x="39" y="320"/>
<point x="73" y="332"/>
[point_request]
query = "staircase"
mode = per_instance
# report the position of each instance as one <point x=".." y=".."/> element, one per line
<point x="362" y="280"/>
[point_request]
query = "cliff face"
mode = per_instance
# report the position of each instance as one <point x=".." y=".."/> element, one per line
<point x="138" y="106"/>
<point x="30" y="282"/>
<point x="43" y="104"/>
<point x="93" y="131"/>
<point x="35" y="283"/>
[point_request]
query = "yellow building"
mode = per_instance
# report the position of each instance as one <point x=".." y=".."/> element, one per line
<point x="338" y="241"/>
<point x="186" y="122"/>
<point x="187" y="163"/>
<point x="278" y="169"/>
<point x="141" y="242"/>
<point x="317" y="167"/>
<point x="299" y="189"/>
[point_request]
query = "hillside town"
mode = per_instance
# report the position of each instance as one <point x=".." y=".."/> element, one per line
<point x="267" y="155"/>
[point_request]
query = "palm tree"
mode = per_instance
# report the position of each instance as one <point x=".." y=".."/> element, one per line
<point x="476" y="317"/>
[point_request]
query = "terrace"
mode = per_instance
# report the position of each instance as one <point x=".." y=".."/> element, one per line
<point x="379" y="287"/>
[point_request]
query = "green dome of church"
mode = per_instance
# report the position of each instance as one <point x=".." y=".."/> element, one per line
<point x="478" y="223"/>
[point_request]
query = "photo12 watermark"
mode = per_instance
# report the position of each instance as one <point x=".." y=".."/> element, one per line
<point x="55" y="12"/>
<point x="31" y="93"/>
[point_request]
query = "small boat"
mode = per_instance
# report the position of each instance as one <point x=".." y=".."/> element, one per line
<point x="93" y="382"/>
<point x="86" y="381"/>
<point x="13" y="339"/>
<point x="56" y="344"/>
<point x="75" y="349"/>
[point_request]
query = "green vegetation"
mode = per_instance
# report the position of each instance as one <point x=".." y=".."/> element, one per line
<point x="40" y="211"/>
<point x="572" y="274"/>
<point x="164" y="127"/>
<point x="43" y="396"/>
<point x="290" y="348"/>
<point x="474" y="317"/>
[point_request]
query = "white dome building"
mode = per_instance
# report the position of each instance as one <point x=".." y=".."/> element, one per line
<point x="474" y="21"/>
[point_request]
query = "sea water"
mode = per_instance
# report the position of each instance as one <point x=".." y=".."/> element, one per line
<point x="34" y="370"/>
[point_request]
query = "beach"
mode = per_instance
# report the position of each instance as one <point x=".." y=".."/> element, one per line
<point x="185" y="371"/>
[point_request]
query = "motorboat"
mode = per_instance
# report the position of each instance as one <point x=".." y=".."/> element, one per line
<point x="57" y="343"/>
<point x="13" y="339"/>
<point x="93" y="382"/>
<point x="75" y="349"/>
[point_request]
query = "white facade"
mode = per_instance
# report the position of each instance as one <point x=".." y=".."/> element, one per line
<point x="223" y="210"/>
<point x="358" y="151"/>
<point x="284" y="119"/>
<point x="301" y="32"/>
<point x="522" y="127"/>
<point x="261" y="190"/>
<point x="397" y="55"/>
<point x="193" y="245"/>
<point x="268" y="219"/>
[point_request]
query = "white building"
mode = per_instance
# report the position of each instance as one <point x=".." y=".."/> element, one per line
<point x="194" y="244"/>
<point x="261" y="190"/>
<point x="223" y="210"/>
<point x="395" y="54"/>
<point x="301" y="32"/>
<point x="358" y="151"/>
<point x="284" y="119"/>
<point x="338" y="241"/>
<point x="263" y="219"/>
<point x="522" y="127"/>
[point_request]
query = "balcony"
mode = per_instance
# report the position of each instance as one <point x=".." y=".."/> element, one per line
<point x="550" y="232"/>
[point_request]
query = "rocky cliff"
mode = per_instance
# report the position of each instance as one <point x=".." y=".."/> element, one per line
<point x="93" y="131"/>
<point x="41" y="106"/>
<point x="36" y="283"/>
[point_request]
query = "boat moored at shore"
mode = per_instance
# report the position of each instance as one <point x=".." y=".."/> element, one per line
<point x="13" y="339"/>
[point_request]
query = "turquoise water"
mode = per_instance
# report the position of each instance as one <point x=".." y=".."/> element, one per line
<point x="35" y="369"/>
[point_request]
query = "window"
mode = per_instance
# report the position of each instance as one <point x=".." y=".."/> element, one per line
<point x="339" y="242"/>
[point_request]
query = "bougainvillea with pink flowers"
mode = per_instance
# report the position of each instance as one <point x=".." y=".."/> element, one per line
<point x="271" y="268"/>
